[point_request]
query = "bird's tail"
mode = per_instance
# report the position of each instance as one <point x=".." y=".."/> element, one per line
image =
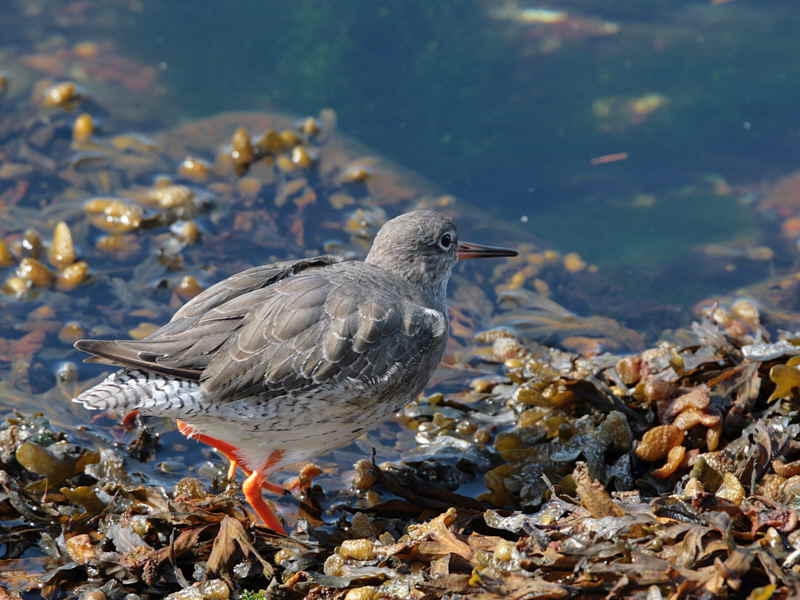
<point x="149" y="393"/>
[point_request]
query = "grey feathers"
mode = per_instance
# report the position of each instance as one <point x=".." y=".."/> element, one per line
<point x="287" y="328"/>
<point x="149" y="392"/>
<point x="298" y="356"/>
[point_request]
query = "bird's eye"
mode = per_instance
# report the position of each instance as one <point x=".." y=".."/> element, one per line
<point x="446" y="241"/>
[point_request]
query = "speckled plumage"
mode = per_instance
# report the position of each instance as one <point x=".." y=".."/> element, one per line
<point x="297" y="356"/>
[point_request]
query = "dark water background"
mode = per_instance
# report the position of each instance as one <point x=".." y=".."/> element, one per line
<point x="476" y="105"/>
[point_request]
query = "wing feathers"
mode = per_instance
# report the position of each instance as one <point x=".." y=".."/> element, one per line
<point x="184" y="346"/>
<point x="119" y="354"/>
<point x="280" y="331"/>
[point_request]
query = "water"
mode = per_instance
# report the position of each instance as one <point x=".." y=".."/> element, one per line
<point x="505" y="113"/>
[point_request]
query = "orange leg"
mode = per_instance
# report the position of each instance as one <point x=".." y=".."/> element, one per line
<point x="129" y="419"/>
<point x="267" y="485"/>
<point x="225" y="448"/>
<point x="252" y="492"/>
<point x="232" y="470"/>
<point x="274" y="488"/>
<point x="229" y="452"/>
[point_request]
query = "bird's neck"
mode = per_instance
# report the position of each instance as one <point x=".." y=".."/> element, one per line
<point x="419" y="275"/>
<point x="440" y="297"/>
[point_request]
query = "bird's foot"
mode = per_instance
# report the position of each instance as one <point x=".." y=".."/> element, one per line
<point x="252" y="492"/>
<point x="230" y="452"/>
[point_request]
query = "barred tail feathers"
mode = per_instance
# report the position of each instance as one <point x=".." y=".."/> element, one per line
<point x="147" y="392"/>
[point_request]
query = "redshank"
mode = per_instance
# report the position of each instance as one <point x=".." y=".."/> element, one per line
<point x="282" y="362"/>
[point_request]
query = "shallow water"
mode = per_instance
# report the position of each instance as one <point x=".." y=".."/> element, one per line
<point x="509" y="113"/>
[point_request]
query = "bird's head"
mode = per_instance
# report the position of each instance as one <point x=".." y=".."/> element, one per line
<point x="422" y="246"/>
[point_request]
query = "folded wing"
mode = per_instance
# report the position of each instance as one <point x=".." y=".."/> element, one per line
<point x="184" y="346"/>
<point x="313" y="333"/>
<point x="302" y="330"/>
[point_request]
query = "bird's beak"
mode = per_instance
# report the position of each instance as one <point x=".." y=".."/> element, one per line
<point x="469" y="250"/>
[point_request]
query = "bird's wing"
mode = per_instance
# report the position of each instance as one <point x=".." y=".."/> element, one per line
<point x="312" y="332"/>
<point x="184" y="346"/>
